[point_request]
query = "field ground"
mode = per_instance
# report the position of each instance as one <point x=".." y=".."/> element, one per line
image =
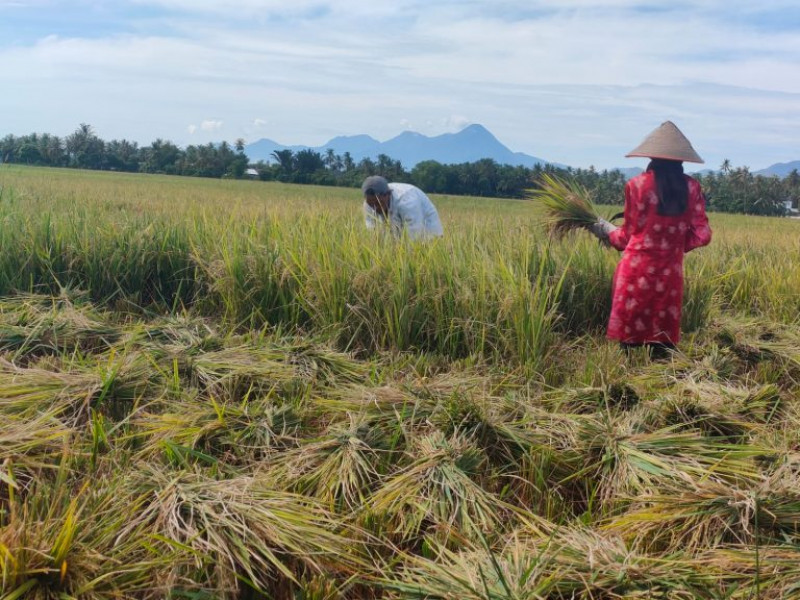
<point x="229" y="389"/>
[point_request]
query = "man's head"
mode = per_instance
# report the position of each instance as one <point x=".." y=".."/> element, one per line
<point x="377" y="194"/>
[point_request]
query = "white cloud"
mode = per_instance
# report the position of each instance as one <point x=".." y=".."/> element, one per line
<point x="211" y="125"/>
<point x="445" y="124"/>
<point x="455" y="123"/>
<point x="576" y="81"/>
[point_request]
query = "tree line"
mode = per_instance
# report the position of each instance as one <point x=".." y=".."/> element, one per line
<point x="727" y="190"/>
<point x="83" y="149"/>
<point x="737" y="190"/>
<point x="484" y="177"/>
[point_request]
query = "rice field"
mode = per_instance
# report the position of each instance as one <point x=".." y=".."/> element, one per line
<point x="229" y="389"/>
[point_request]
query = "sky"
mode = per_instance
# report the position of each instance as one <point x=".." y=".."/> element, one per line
<point x="577" y="82"/>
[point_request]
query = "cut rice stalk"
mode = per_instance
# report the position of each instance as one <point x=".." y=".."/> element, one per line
<point x="568" y="204"/>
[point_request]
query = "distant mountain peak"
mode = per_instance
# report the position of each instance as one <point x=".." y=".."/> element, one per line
<point x="361" y="137"/>
<point x="475" y="128"/>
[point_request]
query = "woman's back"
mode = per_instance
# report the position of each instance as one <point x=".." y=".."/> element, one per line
<point x="646" y="229"/>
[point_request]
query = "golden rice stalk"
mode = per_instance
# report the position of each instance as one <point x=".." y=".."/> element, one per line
<point x="568" y="204"/>
<point x="702" y="516"/>
<point x="438" y="493"/>
<point x="243" y="530"/>
<point x="573" y="562"/>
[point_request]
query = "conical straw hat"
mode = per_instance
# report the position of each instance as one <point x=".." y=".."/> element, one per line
<point x="666" y="141"/>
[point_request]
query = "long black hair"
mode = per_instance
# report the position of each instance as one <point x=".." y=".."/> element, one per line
<point x="673" y="189"/>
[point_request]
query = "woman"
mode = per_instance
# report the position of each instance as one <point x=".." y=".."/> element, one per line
<point x="665" y="217"/>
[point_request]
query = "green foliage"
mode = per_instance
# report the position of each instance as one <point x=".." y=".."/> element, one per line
<point x="739" y="191"/>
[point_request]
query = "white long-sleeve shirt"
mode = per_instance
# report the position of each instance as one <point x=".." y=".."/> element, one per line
<point x="409" y="209"/>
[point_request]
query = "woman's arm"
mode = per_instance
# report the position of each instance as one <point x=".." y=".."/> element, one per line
<point x="699" y="233"/>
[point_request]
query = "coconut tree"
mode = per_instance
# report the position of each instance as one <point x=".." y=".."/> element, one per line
<point x="285" y="158"/>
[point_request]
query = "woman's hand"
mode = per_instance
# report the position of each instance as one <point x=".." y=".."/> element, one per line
<point x="601" y="230"/>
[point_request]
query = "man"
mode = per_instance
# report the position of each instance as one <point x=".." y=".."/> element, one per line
<point x="400" y="206"/>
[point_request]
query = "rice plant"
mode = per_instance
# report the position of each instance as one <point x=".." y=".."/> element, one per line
<point x="274" y="404"/>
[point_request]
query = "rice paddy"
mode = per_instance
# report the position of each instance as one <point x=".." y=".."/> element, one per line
<point x="229" y="389"/>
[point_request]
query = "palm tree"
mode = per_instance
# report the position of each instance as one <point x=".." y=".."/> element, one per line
<point x="285" y="158"/>
<point x="84" y="148"/>
<point x="348" y="163"/>
<point x="331" y="159"/>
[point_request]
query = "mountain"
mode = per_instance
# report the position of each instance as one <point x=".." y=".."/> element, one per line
<point x="471" y="144"/>
<point x="358" y="146"/>
<point x="629" y="172"/>
<point x="780" y="169"/>
<point x="263" y="149"/>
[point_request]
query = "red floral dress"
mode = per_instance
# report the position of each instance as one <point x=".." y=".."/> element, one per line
<point x="648" y="281"/>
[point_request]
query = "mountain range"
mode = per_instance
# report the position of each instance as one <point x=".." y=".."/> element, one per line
<point x="780" y="169"/>
<point x="471" y="144"/>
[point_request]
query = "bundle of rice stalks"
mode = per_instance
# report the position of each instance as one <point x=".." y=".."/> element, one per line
<point x="438" y="493"/>
<point x="710" y="515"/>
<point x="590" y="399"/>
<point x="751" y="572"/>
<point x="340" y="468"/>
<point x="723" y="409"/>
<point x="240" y="530"/>
<point x="33" y="442"/>
<point x="572" y="563"/>
<point x="621" y="461"/>
<point x="568" y="204"/>
<point x="239" y="372"/>
<point x="190" y="429"/>
<point x="385" y="407"/>
<point x="28" y="392"/>
<point x="112" y="383"/>
<point x="177" y="335"/>
<point x="321" y="363"/>
<point x="259" y="365"/>
<point x="757" y="341"/>
<point x="128" y="378"/>
<point x="503" y="427"/>
<point x="41" y="325"/>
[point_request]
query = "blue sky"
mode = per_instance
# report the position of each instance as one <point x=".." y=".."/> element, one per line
<point x="578" y="82"/>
